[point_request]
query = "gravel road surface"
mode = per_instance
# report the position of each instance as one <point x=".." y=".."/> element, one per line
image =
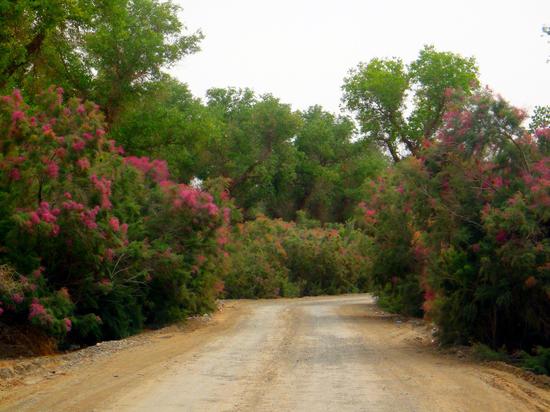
<point x="313" y="354"/>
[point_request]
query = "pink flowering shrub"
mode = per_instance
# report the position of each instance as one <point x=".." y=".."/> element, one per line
<point x="273" y="258"/>
<point x="466" y="240"/>
<point x="26" y="299"/>
<point x="387" y="217"/>
<point x="156" y="169"/>
<point x="114" y="233"/>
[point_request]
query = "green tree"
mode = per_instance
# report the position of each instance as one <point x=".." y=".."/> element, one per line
<point x="332" y="166"/>
<point x="103" y="50"/>
<point x="167" y="122"/>
<point x="540" y="127"/>
<point x="377" y="93"/>
<point x="540" y="118"/>
<point x="254" y="149"/>
<point x="131" y="41"/>
<point x="27" y="28"/>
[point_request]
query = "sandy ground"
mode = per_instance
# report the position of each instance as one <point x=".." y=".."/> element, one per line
<point x="313" y="354"/>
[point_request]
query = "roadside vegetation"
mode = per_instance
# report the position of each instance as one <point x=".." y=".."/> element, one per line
<point x="127" y="202"/>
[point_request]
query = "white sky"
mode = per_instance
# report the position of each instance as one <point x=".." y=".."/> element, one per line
<point x="301" y="50"/>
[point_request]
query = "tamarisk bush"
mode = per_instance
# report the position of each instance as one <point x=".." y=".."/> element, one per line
<point x="93" y="244"/>
<point x="461" y="232"/>
<point x="273" y="258"/>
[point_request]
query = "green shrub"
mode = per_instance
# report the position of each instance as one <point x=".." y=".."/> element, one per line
<point x="485" y="353"/>
<point x="538" y="363"/>
<point x="271" y="258"/>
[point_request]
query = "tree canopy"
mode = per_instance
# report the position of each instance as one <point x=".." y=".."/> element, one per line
<point x="399" y="106"/>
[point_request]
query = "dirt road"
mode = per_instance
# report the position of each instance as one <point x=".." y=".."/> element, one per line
<point x="313" y="354"/>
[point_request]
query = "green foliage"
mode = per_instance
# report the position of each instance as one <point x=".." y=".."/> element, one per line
<point x="433" y="73"/>
<point x="271" y="258"/>
<point x="255" y="150"/>
<point x="27" y="29"/>
<point x="397" y="251"/>
<point x="538" y="363"/>
<point x="102" y="50"/>
<point x="167" y="122"/>
<point x="257" y="265"/>
<point x="485" y="353"/>
<point x="539" y="125"/>
<point x="377" y="91"/>
<point x="96" y="245"/>
<point x="332" y="166"/>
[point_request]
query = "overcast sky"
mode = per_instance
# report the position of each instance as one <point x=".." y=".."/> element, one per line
<point x="300" y="50"/>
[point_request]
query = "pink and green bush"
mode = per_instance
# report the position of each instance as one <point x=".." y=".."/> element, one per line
<point x="95" y="244"/>
<point x="273" y="258"/>
<point x="461" y="232"/>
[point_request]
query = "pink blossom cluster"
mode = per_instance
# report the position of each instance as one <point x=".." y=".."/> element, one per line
<point x="17" y="115"/>
<point x="12" y="163"/>
<point x="17" y="298"/>
<point x="17" y="97"/>
<point x="157" y="168"/>
<point x="538" y="182"/>
<point x="72" y="205"/>
<point x="47" y="130"/>
<point x="52" y="169"/>
<point x="104" y="186"/>
<point x="88" y="217"/>
<point x="113" y="148"/>
<point x="60" y="152"/>
<point x="226" y="215"/>
<point x="45" y="214"/>
<point x="109" y="254"/>
<point x="79" y="145"/>
<point x="68" y="324"/>
<point x="38" y="272"/>
<point x="501" y="237"/>
<point x="195" y="199"/>
<point x="15" y="174"/>
<point x="543" y="132"/>
<point x="36" y="310"/>
<point x="368" y="212"/>
<point x="223" y="236"/>
<point x="83" y="163"/>
<point x="114" y="223"/>
<point x="455" y="122"/>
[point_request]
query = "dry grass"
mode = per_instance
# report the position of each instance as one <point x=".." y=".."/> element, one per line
<point x="8" y="280"/>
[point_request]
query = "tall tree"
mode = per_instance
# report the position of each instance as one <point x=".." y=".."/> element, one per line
<point x="332" y="165"/>
<point x="168" y="123"/>
<point x="377" y="93"/>
<point x="131" y="42"/>
<point x="540" y="127"/>
<point x="104" y="50"/>
<point x="28" y="27"/>
<point x="254" y="149"/>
